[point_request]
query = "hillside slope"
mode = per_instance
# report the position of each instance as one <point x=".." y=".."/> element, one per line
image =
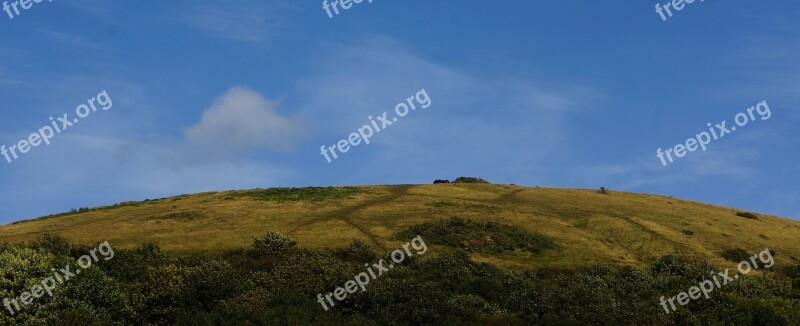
<point x="589" y="227"/>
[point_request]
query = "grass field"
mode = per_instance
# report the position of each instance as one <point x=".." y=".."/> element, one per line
<point x="588" y="227"/>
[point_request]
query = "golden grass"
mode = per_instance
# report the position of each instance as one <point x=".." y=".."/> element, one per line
<point x="589" y="227"/>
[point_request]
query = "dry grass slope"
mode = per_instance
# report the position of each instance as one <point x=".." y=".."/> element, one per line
<point x="589" y="227"/>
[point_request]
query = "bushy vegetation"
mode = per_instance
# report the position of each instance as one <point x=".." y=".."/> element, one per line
<point x="469" y="180"/>
<point x="143" y="286"/>
<point x="307" y="193"/>
<point x="747" y="215"/>
<point x="358" y="251"/>
<point x="479" y="237"/>
<point x="735" y="255"/>
<point x="461" y="180"/>
<point x="273" y="243"/>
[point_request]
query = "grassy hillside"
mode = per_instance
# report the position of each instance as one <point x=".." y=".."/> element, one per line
<point x="588" y="227"/>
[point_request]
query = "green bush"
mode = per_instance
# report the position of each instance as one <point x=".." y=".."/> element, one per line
<point x="129" y="265"/>
<point x="735" y="255"/>
<point x="90" y="294"/>
<point x="53" y="243"/>
<point x="469" y="180"/>
<point x="273" y="243"/>
<point x="747" y="215"/>
<point x="358" y="251"/>
<point x="143" y="286"/>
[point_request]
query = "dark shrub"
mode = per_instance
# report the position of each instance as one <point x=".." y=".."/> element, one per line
<point x="440" y="181"/>
<point x="145" y="287"/>
<point x="91" y="295"/>
<point x="246" y="258"/>
<point x="212" y="281"/>
<point x="603" y="190"/>
<point x="671" y="265"/>
<point x="735" y="255"/>
<point x="273" y="243"/>
<point x="308" y="272"/>
<point x="747" y="215"/>
<point x="130" y="265"/>
<point x="358" y="251"/>
<point x="469" y="180"/>
<point x="54" y="243"/>
<point x="688" y="232"/>
<point x="162" y="293"/>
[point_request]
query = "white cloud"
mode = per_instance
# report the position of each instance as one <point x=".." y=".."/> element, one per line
<point x="243" y="119"/>
<point x="238" y="123"/>
<point x="104" y="161"/>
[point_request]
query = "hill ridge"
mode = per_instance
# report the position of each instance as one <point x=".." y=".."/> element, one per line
<point x="619" y="228"/>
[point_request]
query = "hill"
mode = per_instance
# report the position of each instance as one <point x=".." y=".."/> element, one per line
<point x="443" y="254"/>
<point x="589" y="227"/>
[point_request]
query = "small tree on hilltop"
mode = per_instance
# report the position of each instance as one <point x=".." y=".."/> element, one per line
<point x="273" y="243"/>
<point x="469" y="180"/>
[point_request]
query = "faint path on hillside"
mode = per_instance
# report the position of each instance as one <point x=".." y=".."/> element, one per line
<point x="649" y="231"/>
<point x="509" y="197"/>
<point x="345" y="214"/>
<point x="656" y="236"/>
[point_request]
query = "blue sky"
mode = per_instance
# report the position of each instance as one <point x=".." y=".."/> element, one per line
<point x="213" y="95"/>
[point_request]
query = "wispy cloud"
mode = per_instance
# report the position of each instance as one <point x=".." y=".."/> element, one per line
<point x="112" y="14"/>
<point x="472" y="122"/>
<point x="768" y="65"/>
<point x="70" y="39"/>
<point x="237" y="21"/>
<point x="6" y="79"/>
<point x="638" y="174"/>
